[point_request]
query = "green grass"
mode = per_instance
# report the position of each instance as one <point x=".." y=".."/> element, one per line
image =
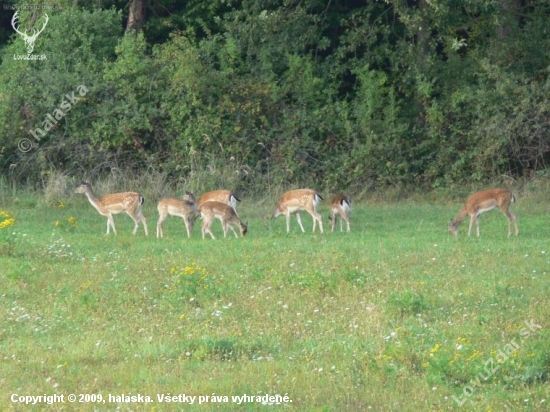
<point x="395" y="316"/>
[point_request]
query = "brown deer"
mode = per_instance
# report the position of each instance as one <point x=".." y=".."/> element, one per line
<point x="226" y="214"/>
<point x="295" y="201"/>
<point x="222" y="196"/>
<point x="340" y="206"/>
<point x="484" y="201"/>
<point x="112" y="204"/>
<point x="186" y="208"/>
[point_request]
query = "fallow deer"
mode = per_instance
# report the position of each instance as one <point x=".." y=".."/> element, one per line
<point x="484" y="201"/>
<point x="186" y="208"/>
<point x="112" y="204"/>
<point x="226" y="214"/>
<point x="295" y="201"/>
<point x="222" y="196"/>
<point x="340" y="206"/>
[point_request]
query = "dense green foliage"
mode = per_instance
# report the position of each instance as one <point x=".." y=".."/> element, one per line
<point x="336" y="94"/>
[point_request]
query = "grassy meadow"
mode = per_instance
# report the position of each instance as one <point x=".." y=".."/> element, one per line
<point x="394" y="316"/>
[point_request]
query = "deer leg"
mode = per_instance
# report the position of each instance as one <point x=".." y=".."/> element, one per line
<point x="144" y="222"/>
<point x="472" y="219"/>
<point x="299" y="221"/>
<point x="111" y="223"/>
<point x="231" y="227"/>
<point x="511" y="218"/>
<point x="140" y="218"/>
<point x="160" y="222"/>
<point x="347" y="222"/>
<point x="317" y="218"/>
<point x="206" y="229"/>
<point x="188" y="226"/>
<point x="136" y="222"/>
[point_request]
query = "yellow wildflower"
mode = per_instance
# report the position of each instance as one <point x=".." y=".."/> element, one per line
<point x="455" y="358"/>
<point x="435" y="348"/>
<point x="8" y="220"/>
<point x="474" y="355"/>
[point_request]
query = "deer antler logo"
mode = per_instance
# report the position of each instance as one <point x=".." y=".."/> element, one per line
<point x="28" y="39"/>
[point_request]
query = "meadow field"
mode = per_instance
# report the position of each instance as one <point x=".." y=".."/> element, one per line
<point x="396" y="315"/>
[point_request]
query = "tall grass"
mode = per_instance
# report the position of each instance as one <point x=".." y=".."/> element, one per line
<point x="396" y="315"/>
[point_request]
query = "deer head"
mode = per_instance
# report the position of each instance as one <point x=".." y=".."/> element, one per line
<point x="28" y="39"/>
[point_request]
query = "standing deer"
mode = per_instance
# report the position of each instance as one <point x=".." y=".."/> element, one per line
<point x="484" y="201"/>
<point x="222" y="196"/>
<point x="295" y="201"/>
<point x="340" y="206"/>
<point x="112" y="204"/>
<point x="226" y="214"/>
<point x="28" y="39"/>
<point x="186" y="208"/>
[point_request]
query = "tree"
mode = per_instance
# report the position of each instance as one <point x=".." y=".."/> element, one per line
<point x="136" y="15"/>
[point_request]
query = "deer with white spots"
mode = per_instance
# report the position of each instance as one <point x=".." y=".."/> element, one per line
<point x="186" y="208"/>
<point x="114" y="203"/>
<point x="484" y="201"/>
<point x="222" y="196"/>
<point x="225" y="214"/>
<point x="296" y="201"/>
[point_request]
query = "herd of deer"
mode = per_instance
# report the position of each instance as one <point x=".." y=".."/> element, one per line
<point x="218" y="204"/>
<point x="221" y="205"/>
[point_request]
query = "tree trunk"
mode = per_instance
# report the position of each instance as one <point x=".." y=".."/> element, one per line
<point x="136" y="15"/>
<point x="510" y="17"/>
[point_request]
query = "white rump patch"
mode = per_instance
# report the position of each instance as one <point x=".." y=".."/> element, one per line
<point x="346" y="205"/>
<point x="316" y="200"/>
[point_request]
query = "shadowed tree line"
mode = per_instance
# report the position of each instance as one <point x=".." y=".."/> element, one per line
<point x="337" y="94"/>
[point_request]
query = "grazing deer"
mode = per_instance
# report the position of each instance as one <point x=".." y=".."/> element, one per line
<point x="339" y="206"/>
<point x="222" y="196"/>
<point x="186" y="208"/>
<point x="296" y="201"/>
<point x="484" y="201"/>
<point x="112" y="204"/>
<point x="226" y="214"/>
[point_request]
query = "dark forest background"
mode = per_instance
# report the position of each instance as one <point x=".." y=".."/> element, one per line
<point x="334" y="94"/>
